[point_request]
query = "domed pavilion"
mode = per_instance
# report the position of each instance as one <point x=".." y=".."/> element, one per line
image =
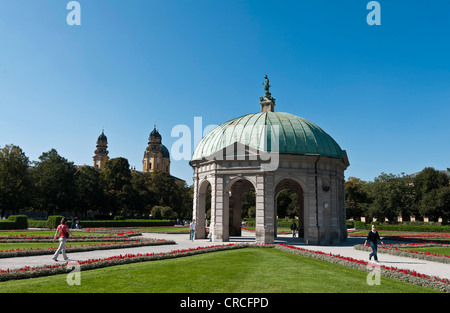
<point x="270" y="152"/>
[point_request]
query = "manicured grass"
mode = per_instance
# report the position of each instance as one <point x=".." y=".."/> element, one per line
<point x="170" y="229"/>
<point x="40" y="245"/>
<point x="51" y="233"/>
<point x="246" y="270"/>
<point x="435" y="250"/>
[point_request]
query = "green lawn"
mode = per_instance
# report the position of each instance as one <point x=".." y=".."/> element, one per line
<point x="40" y="245"/>
<point x="51" y="233"/>
<point x="436" y="250"/>
<point x="162" y="229"/>
<point x="232" y="271"/>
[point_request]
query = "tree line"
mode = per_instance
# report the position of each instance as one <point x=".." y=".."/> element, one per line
<point x="425" y="194"/>
<point x="53" y="184"/>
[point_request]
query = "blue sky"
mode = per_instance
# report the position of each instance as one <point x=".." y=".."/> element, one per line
<point x="382" y="92"/>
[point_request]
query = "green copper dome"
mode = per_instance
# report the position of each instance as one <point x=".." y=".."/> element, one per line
<point x="296" y="136"/>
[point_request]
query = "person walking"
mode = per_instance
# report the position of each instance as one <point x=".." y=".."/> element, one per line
<point x="63" y="232"/>
<point x="372" y="237"/>
<point x="192" y="229"/>
<point x="294" y="228"/>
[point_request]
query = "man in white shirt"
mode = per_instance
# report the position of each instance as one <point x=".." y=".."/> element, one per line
<point x="192" y="229"/>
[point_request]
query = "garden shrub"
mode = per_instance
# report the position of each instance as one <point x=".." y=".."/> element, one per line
<point x="127" y="223"/>
<point x="156" y="212"/>
<point x="15" y="222"/>
<point x="168" y="213"/>
<point x="54" y="220"/>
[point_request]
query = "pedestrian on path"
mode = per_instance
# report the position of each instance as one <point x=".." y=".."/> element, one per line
<point x="372" y="237"/>
<point x="63" y="232"/>
<point x="192" y="229"/>
<point x="294" y="228"/>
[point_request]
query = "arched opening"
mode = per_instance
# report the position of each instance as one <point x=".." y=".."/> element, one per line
<point x="241" y="202"/>
<point x="204" y="210"/>
<point x="289" y="203"/>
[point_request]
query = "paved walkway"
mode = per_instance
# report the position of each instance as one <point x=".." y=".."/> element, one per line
<point x="182" y="242"/>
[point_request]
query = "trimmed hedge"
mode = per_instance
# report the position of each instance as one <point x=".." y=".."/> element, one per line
<point x="281" y="222"/>
<point x="127" y="223"/>
<point x="54" y="220"/>
<point x="404" y="227"/>
<point x="15" y="222"/>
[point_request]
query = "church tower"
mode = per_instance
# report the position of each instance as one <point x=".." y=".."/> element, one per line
<point x="156" y="156"/>
<point x="101" y="153"/>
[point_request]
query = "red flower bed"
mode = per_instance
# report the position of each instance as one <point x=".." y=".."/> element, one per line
<point x="82" y="248"/>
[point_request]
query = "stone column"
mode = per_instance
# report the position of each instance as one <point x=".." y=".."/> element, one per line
<point x="312" y="230"/>
<point x="265" y="217"/>
<point x="220" y="203"/>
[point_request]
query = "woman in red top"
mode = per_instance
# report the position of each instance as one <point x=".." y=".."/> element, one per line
<point x="63" y="231"/>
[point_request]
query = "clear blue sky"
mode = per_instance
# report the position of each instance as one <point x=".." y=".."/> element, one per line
<point x="382" y="92"/>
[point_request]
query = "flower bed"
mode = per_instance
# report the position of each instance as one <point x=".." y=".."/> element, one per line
<point x="83" y="248"/>
<point x="396" y="249"/>
<point x="407" y="236"/>
<point x="122" y="235"/>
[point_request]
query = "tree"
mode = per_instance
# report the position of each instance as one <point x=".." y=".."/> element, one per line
<point x="166" y="191"/>
<point x="431" y="193"/>
<point x="248" y="201"/>
<point x="435" y="204"/>
<point x="145" y="198"/>
<point x="15" y="179"/>
<point x="187" y="201"/>
<point x="429" y="179"/>
<point x="89" y="190"/>
<point x="119" y="192"/>
<point x="54" y="183"/>
<point x="393" y="196"/>
<point x="287" y="204"/>
<point x="357" y="199"/>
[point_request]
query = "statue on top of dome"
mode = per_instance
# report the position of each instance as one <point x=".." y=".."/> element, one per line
<point x="268" y="95"/>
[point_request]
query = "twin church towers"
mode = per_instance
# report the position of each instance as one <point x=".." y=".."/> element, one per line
<point x="156" y="156"/>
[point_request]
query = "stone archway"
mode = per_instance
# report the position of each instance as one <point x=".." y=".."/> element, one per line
<point x="236" y="190"/>
<point x="200" y="217"/>
<point x="292" y="185"/>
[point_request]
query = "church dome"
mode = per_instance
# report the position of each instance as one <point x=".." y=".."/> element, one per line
<point x="102" y="137"/>
<point x="296" y="136"/>
<point x="155" y="133"/>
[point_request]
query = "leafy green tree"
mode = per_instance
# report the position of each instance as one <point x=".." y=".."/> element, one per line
<point x="15" y="179"/>
<point x="89" y="191"/>
<point x="393" y="196"/>
<point x="187" y="201"/>
<point x="248" y="201"/>
<point x="429" y="179"/>
<point x="166" y="191"/>
<point x="145" y="197"/>
<point x="287" y="204"/>
<point x="357" y="198"/>
<point x="54" y="183"/>
<point x="431" y="191"/>
<point x="119" y="191"/>
<point x="435" y="204"/>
